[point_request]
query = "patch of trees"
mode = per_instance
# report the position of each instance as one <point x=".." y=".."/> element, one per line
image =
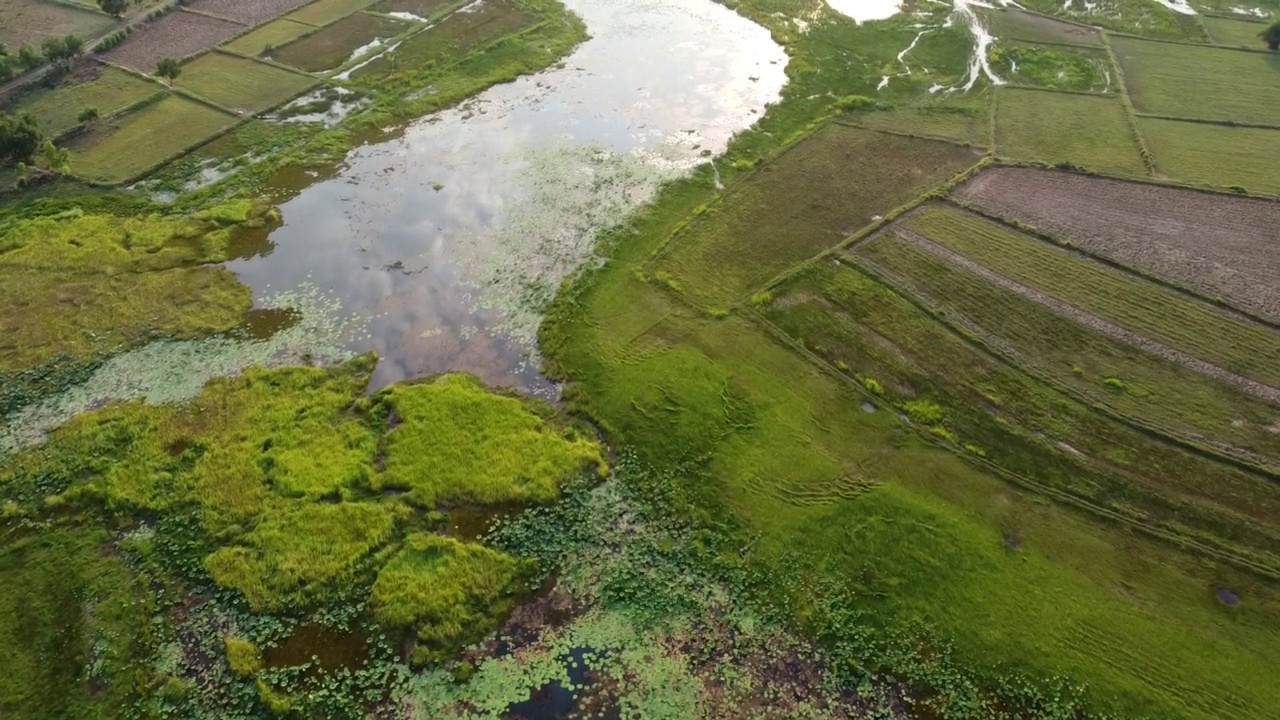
<point x="169" y="69"/>
<point x="20" y="138"/>
<point x="1271" y="36"/>
<point x="114" y="8"/>
<point x="59" y="51"/>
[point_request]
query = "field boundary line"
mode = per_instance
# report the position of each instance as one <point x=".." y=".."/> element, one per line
<point x="1201" y="46"/>
<point x="1209" y="121"/>
<point x="1055" y="18"/>
<point x="1158" y="433"/>
<point x="1066" y="244"/>
<point x="1059" y="91"/>
<point x="1157" y="181"/>
<point x="903" y="133"/>
<point x="1268" y="571"/>
<point x="1130" y="112"/>
<point x="1259" y="390"/>
<point x="269" y="63"/>
<point x="205" y="13"/>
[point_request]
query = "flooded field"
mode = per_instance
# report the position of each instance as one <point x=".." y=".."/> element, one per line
<point x="450" y="237"/>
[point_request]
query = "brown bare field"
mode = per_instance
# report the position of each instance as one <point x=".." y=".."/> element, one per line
<point x="1218" y="245"/>
<point x="247" y="12"/>
<point x="176" y="35"/>
<point x="34" y="21"/>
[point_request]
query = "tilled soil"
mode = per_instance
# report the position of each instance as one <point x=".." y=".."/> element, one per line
<point x="176" y="35"/>
<point x="1221" y="246"/>
<point x="248" y="12"/>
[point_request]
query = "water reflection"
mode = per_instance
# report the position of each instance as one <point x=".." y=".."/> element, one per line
<point x="451" y="234"/>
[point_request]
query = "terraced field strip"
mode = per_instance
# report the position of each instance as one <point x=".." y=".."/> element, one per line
<point x="336" y="45"/>
<point x="272" y="35"/>
<point x="1209" y="83"/>
<point x="1220" y="246"/>
<point x="245" y="86"/>
<point x="1234" y="32"/>
<point x="1018" y="24"/>
<point x="1026" y="431"/>
<point x="1215" y="156"/>
<point x="114" y="90"/>
<point x="959" y="118"/>
<point x="1049" y="127"/>
<point x="34" y="21"/>
<point x="800" y="204"/>
<point x="246" y="12"/>
<point x="129" y="146"/>
<point x="1106" y="373"/>
<point x="178" y="35"/>
<point x="323" y="12"/>
<point x="1240" y="349"/>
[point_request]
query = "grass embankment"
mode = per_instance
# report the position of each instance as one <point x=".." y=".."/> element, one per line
<point x="934" y="551"/>
<point x="79" y="285"/>
<point x="265" y="485"/>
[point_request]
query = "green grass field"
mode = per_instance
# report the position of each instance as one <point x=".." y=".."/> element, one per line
<point x="324" y="12"/>
<point x="448" y="41"/>
<point x="58" y="110"/>
<point x="1150" y="310"/>
<point x="1200" y="82"/>
<point x="805" y="202"/>
<point x="1213" y="155"/>
<point x="245" y="86"/>
<point x="274" y="34"/>
<point x="132" y="144"/>
<point x="1086" y="131"/>
<point x="1235" y="33"/>
<point x="960" y="118"/>
<point x="332" y="46"/>
<point x="1054" y="67"/>
<point x="1136" y="17"/>
<point x="1014" y="24"/>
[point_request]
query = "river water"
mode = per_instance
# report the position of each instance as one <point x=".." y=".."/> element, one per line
<point x="444" y="242"/>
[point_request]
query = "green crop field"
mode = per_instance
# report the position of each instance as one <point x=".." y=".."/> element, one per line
<point x="1213" y="155"/>
<point x="1083" y="361"/>
<point x="807" y="201"/>
<point x="1015" y="24"/>
<point x="964" y="118"/>
<point x="58" y="109"/>
<point x="246" y="86"/>
<point x="324" y="12"/>
<point x="1201" y="82"/>
<point x="427" y="9"/>
<point x="1047" y="127"/>
<point x="449" y="40"/>
<point x="132" y="144"/>
<point x="1150" y="310"/>
<point x="1054" y="66"/>
<point x="272" y="35"/>
<point x="1136" y="17"/>
<point x="1237" y="33"/>
<point x="332" y="47"/>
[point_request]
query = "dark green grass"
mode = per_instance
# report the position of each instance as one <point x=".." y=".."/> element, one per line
<point x="331" y="47"/>
<point x="245" y="86"/>
<point x="1148" y="309"/>
<point x="447" y="41"/>
<point x="58" y="110"/>
<point x="272" y="35"/>
<point x="960" y="118"/>
<point x="1130" y="16"/>
<point x="1201" y="82"/>
<point x="128" y="146"/>
<point x="822" y="190"/>
<point x="1061" y="128"/>
<point x="1054" y="67"/>
<point x="1213" y="155"/>
<point x="1014" y="24"/>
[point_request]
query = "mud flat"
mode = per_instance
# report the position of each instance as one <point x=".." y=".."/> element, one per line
<point x="1219" y="245"/>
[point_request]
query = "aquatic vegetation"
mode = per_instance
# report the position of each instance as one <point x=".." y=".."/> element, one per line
<point x="454" y="442"/>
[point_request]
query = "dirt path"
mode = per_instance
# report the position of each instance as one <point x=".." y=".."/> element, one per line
<point x="1252" y="387"/>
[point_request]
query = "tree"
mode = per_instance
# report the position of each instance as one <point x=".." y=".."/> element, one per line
<point x="88" y="116"/>
<point x="168" y="69"/>
<point x="1271" y="36"/>
<point x="62" y="50"/>
<point x="20" y="137"/>
<point x="29" y="57"/>
<point x="114" y="8"/>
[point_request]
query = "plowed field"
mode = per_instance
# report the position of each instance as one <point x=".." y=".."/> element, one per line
<point x="176" y="35"/>
<point x="249" y="12"/>
<point x="1219" y="245"/>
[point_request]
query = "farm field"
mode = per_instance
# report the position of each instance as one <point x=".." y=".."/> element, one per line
<point x="332" y="47"/>
<point x="1054" y="67"/>
<point x="323" y="12"/>
<point x="448" y="40"/>
<point x="1200" y="82"/>
<point x="113" y="90"/>
<point x="1147" y="309"/>
<point x="426" y="9"/>
<point x="964" y="120"/>
<point x="245" y="86"/>
<point x="1052" y="128"/>
<point x="1237" y="33"/>
<point x="1213" y="155"/>
<point x="176" y="35"/>
<point x="130" y="145"/>
<point x="1216" y="245"/>
<point x="1016" y="24"/>
<point x="34" y="21"/>
<point x="251" y="13"/>
<point x="738" y="244"/>
<point x="272" y="35"/>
